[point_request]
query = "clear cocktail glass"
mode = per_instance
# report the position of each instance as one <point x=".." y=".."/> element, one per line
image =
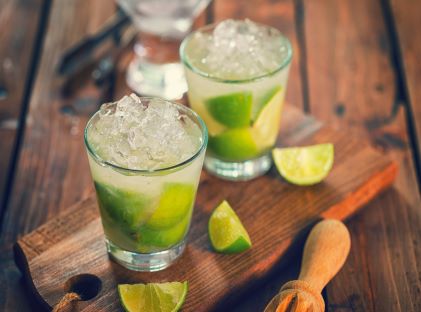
<point x="237" y="74"/>
<point x="146" y="212"/>
<point x="155" y="69"/>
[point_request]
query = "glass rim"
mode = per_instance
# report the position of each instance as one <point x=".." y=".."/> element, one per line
<point x="185" y="61"/>
<point x="171" y="168"/>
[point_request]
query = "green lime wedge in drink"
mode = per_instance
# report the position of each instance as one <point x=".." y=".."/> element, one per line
<point x="125" y="207"/>
<point x="153" y="297"/>
<point x="232" y="110"/>
<point x="150" y="238"/>
<point x="304" y="165"/>
<point x="264" y="100"/>
<point x="266" y="127"/>
<point x="174" y="203"/>
<point x="234" y="145"/>
<point x="226" y="232"/>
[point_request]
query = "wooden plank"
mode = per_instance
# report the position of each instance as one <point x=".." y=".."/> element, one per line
<point x="279" y="14"/>
<point x="73" y="244"/>
<point x="352" y="82"/>
<point x="52" y="157"/>
<point x="19" y="21"/>
<point x="406" y="18"/>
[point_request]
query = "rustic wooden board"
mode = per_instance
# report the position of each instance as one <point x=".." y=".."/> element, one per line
<point x="275" y="213"/>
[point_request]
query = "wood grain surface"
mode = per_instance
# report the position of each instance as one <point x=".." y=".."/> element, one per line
<point x="352" y="82"/>
<point x="51" y="170"/>
<point x="405" y="15"/>
<point x="275" y="217"/>
<point x="19" y="21"/>
<point x="344" y="72"/>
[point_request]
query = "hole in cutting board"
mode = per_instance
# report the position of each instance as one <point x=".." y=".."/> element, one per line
<point x="87" y="286"/>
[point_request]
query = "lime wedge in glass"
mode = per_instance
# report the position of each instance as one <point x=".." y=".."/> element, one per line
<point x="150" y="239"/>
<point x="234" y="144"/>
<point x="264" y="100"/>
<point x="175" y="202"/>
<point x="232" y="110"/>
<point x="153" y="297"/>
<point x="304" y="165"/>
<point x="266" y="127"/>
<point x="126" y="207"/>
<point x="226" y="232"/>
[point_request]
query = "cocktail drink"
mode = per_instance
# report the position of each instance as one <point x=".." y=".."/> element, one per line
<point x="145" y="155"/>
<point x="237" y="74"/>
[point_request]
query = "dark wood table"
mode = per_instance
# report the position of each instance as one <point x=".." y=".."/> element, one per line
<point x="356" y="65"/>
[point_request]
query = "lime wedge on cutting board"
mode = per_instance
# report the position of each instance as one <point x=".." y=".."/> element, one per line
<point x="153" y="297"/>
<point x="304" y="165"/>
<point x="226" y="232"/>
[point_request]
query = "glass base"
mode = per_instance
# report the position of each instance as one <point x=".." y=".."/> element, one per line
<point x="145" y="262"/>
<point x="238" y="171"/>
<point x="164" y="80"/>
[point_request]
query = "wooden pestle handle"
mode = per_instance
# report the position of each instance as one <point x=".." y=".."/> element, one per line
<point x="325" y="252"/>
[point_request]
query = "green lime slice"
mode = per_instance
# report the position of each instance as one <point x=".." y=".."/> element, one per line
<point x="153" y="297"/>
<point x="304" y="165"/>
<point x="232" y="110"/>
<point x="266" y="128"/>
<point x="127" y="208"/>
<point x="234" y="145"/>
<point x="226" y="232"/>
<point x="154" y="239"/>
<point x="175" y="202"/>
<point x="263" y="101"/>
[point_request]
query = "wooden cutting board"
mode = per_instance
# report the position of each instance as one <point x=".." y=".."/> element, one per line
<point x="276" y="214"/>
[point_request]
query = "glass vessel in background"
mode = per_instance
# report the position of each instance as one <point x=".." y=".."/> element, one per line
<point x="237" y="74"/>
<point x="145" y="180"/>
<point x="155" y="69"/>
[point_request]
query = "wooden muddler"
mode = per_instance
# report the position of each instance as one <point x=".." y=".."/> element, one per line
<point x="325" y="252"/>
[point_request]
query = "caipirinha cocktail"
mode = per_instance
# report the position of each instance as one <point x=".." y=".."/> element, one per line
<point x="145" y="156"/>
<point x="237" y="73"/>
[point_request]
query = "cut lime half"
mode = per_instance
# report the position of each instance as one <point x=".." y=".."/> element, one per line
<point x="226" y="232"/>
<point x="304" y="165"/>
<point x="153" y="297"/>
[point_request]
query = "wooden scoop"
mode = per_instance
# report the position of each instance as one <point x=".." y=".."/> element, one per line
<point x="325" y="252"/>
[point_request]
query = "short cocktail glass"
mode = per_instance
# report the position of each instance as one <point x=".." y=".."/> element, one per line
<point x="237" y="73"/>
<point x="146" y="156"/>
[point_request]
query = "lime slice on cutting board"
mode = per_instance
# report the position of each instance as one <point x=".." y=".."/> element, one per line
<point x="174" y="203"/>
<point x="226" y="232"/>
<point x="234" y="145"/>
<point x="153" y="297"/>
<point x="304" y="165"/>
<point x="232" y="110"/>
<point x="266" y="128"/>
